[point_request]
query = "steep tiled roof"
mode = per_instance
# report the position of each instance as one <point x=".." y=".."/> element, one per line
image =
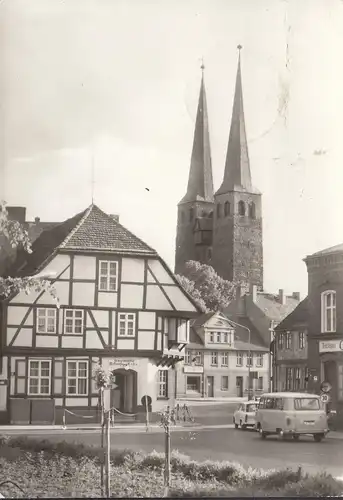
<point x="91" y="229"/>
<point x="272" y="307"/>
<point x="298" y="316"/>
<point x="334" y="249"/>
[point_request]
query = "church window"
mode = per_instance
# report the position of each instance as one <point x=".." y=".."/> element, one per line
<point x="226" y="208"/>
<point x="241" y="208"/>
<point x="191" y="214"/>
<point x="219" y="209"/>
<point x="252" y="210"/>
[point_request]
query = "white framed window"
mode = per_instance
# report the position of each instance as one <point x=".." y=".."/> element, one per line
<point x="197" y="356"/>
<point x="249" y="359"/>
<point x="239" y="361"/>
<point x="259" y="360"/>
<point x="39" y="382"/>
<point x="77" y="377"/>
<point x="301" y="340"/>
<point x="225" y="383"/>
<point x="211" y="337"/>
<point x="214" y="358"/>
<point x="162" y="383"/>
<point x="182" y="330"/>
<point x="127" y="322"/>
<point x="226" y="337"/>
<point x="46" y="320"/>
<point x="73" y="321"/>
<point x="280" y="337"/>
<point x="328" y="311"/>
<point x="225" y="359"/>
<point x="108" y="275"/>
<point x="219" y="337"/>
<point x="289" y="336"/>
<point x="188" y="357"/>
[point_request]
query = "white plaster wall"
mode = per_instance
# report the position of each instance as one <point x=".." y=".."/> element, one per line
<point x="156" y="300"/>
<point x="146" y="320"/>
<point x="62" y="292"/>
<point x="101" y="318"/>
<point x="84" y="267"/>
<point x="58" y="401"/>
<point x="146" y="340"/>
<point x="10" y="334"/>
<point x="161" y="274"/>
<point x="47" y="341"/>
<point x="23" y="298"/>
<point x="58" y="385"/>
<point x="131" y="296"/>
<point x="105" y="336"/>
<point x="24" y="338"/>
<point x="179" y="299"/>
<point x="125" y="344"/>
<point x="92" y="340"/>
<point x="132" y="270"/>
<point x="107" y="299"/>
<point x="57" y="265"/>
<point x="72" y="341"/>
<point x="83" y="294"/>
<point x="15" y="315"/>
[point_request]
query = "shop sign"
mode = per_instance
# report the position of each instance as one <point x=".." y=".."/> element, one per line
<point x="123" y="363"/>
<point x="193" y="369"/>
<point x="331" y="346"/>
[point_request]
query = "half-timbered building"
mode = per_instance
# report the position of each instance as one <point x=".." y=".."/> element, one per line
<point x="119" y="305"/>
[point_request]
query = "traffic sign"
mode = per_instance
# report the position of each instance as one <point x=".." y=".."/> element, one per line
<point x="325" y="398"/>
<point x="325" y="386"/>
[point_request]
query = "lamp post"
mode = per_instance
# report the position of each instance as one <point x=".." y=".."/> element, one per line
<point x="249" y="354"/>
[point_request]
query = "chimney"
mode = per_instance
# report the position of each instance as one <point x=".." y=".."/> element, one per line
<point x="17" y="213"/>
<point x="37" y="220"/>
<point x="115" y="217"/>
<point x="296" y="295"/>
<point x="253" y="292"/>
<point x="282" y="296"/>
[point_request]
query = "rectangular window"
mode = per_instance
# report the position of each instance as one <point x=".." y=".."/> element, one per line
<point x="239" y="358"/>
<point x="259" y="360"/>
<point x="162" y="383"/>
<point x="108" y="275"/>
<point x="225" y="359"/>
<point x="214" y="358"/>
<point x="188" y="357"/>
<point x="39" y="377"/>
<point x="297" y="379"/>
<point x="46" y="320"/>
<point x="182" y="331"/>
<point x="225" y="383"/>
<point x="250" y="359"/>
<point x="289" y="378"/>
<point x="260" y="383"/>
<point x="219" y="336"/>
<point x="77" y="378"/>
<point x="280" y="340"/>
<point x="226" y="337"/>
<point x="329" y="311"/>
<point x="289" y="340"/>
<point x="73" y="321"/>
<point x="306" y="404"/>
<point x="127" y="324"/>
<point x="211" y="337"/>
<point x="198" y="358"/>
<point x="193" y="384"/>
<point x="301" y="340"/>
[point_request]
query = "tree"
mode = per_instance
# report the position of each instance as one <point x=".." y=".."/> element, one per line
<point x="207" y="288"/>
<point x="14" y="233"/>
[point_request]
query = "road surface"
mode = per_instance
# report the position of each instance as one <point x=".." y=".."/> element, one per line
<point x="245" y="447"/>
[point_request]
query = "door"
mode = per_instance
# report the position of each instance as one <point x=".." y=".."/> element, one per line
<point x="239" y="386"/>
<point x="117" y="391"/>
<point x="210" y="387"/>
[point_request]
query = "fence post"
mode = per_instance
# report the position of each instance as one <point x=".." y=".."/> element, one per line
<point x="108" y="456"/>
<point x="102" y="423"/>
<point x="167" y="455"/>
<point x="147" y="413"/>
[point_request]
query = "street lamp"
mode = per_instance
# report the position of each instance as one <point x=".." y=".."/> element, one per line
<point x="249" y="355"/>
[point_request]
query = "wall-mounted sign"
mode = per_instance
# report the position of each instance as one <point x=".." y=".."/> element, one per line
<point x="123" y="363"/>
<point x="325" y="398"/>
<point x="193" y="369"/>
<point x="331" y="346"/>
<point x="4" y="382"/>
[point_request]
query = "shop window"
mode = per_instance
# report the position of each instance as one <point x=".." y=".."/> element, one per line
<point x="193" y="383"/>
<point x="225" y="383"/>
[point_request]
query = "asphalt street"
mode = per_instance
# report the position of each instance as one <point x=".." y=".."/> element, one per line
<point x="245" y="447"/>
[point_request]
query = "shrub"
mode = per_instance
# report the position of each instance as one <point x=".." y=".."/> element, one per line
<point x="320" y="485"/>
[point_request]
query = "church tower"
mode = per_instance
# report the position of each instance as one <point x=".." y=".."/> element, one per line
<point x="237" y="253"/>
<point x="195" y="210"/>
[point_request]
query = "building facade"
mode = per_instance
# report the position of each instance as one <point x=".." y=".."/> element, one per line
<point x="290" y="370"/>
<point x="222" y="229"/>
<point x="119" y="306"/>
<point x="218" y="357"/>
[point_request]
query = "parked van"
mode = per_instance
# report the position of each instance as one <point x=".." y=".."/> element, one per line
<point x="290" y="414"/>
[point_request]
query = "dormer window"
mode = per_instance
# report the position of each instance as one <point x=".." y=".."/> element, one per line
<point x="241" y="207"/>
<point x="328" y="311"/>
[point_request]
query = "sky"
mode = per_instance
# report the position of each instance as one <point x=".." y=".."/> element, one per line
<point x="115" y="84"/>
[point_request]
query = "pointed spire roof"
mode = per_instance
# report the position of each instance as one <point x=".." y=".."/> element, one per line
<point x="237" y="176"/>
<point x="200" y="181"/>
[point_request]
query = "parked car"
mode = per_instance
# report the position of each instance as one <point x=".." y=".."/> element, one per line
<point x="245" y="415"/>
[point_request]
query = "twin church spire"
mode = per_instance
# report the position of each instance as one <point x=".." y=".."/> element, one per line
<point x="222" y="228"/>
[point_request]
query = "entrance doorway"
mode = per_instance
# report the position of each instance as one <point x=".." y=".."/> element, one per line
<point x="210" y="387"/>
<point x="239" y="386"/>
<point x="123" y="395"/>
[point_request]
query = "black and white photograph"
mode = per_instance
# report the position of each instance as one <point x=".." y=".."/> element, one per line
<point x="171" y="248"/>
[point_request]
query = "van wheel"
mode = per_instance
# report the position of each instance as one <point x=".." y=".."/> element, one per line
<point x="262" y="434"/>
<point x="243" y="426"/>
<point x="318" y="437"/>
<point x="234" y="423"/>
<point x="296" y="437"/>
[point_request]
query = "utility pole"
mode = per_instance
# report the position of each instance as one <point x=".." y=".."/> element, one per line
<point x="249" y="355"/>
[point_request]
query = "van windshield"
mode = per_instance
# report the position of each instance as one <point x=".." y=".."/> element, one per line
<point x="306" y="404"/>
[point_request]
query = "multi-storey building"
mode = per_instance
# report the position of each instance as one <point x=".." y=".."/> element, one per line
<point x="222" y="229"/>
<point x="218" y="357"/>
<point x="119" y="305"/>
